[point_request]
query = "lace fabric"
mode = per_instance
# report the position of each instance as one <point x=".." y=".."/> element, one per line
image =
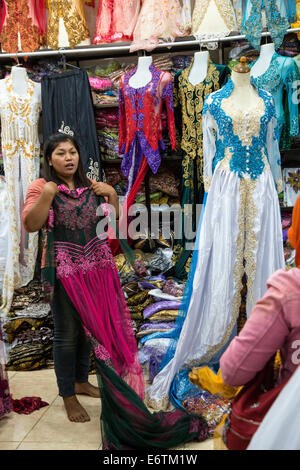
<point x="277" y="21"/>
<point x="21" y="157"/>
<point x="281" y="75"/>
<point x="247" y="149"/>
<point x="72" y="14"/>
<point x="213" y="19"/>
<point x="140" y="130"/>
<point x="116" y="20"/>
<point x="158" y="19"/>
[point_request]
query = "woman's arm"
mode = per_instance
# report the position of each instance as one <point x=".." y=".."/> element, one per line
<point x="37" y="214"/>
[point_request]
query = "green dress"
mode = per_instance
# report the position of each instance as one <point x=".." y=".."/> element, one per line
<point x="188" y="105"/>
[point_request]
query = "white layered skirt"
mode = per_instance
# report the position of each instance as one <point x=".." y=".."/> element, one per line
<point x="240" y="232"/>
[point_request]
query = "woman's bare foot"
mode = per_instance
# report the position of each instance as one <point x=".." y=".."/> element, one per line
<point x="76" y="413"/>
<point x="87" y="389"/>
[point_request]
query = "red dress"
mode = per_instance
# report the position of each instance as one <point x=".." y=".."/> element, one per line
<point x="116" y="20"/>
<point x="140" y="124"/>
<point x="27" y="17"/>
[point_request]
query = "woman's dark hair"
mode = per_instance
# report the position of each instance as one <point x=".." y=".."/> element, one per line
<point x="48" y="172"/>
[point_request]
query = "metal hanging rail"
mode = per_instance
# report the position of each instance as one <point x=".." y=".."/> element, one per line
<point x="105" y="50"/>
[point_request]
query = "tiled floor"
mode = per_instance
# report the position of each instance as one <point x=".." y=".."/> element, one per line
<point x="49" y="428"/>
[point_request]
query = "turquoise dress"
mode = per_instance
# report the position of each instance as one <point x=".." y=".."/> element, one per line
<point x="282" y="76"/>
<point x="277" y="21"/>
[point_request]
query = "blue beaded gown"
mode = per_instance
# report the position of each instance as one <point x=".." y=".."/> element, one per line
<point x="240" y="231"/>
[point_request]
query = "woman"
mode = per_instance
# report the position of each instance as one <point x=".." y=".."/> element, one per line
<point x="63" y="174"/>
<point x="80" y="274"/>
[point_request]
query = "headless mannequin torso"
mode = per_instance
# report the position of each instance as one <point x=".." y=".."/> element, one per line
<point x="143" y="75"/>
<point x="198" y="71"/>
<point x="244" y="95"/>
<point x="263" y="62"/>
<point x="20" y="84"/>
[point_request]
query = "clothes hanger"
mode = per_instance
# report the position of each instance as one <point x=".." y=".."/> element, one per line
<point x="64" y="63"/>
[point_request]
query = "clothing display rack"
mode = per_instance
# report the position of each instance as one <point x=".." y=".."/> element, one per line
<point x="108" y="50"/>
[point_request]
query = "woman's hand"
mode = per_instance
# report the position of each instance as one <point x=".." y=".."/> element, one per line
<point x="50" y="189"/>
<point x="103" y="189"/>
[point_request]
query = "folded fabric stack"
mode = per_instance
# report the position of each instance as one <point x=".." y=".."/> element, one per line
<point x="180" y="62"/>
<point x="28" y="330"/>
<point x="162" y="184"/>
<point x="159" y="320"/>
<point x="107" y="125"/>
<point x="104" y="87"/>
<point x="290" y="46"/>
<point x="114" y="176"/>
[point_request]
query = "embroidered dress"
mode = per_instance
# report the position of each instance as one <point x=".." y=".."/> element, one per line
<point x="74" y="115"/>
<point x="159" y="19"/>
<point x="240" y="231"/>
<point x="188" y="104"/>
<point x="213" y="19"/>
<point x="78" y="256"/>
<point x="23" y="25"/>
<point x="277" y="21"/>
<point x="282" y="74"/>
<point x="70" y="15"/>
<point x="140" y="127"/>
<point x="21" y="157"/>
<point x="116" y="20"/>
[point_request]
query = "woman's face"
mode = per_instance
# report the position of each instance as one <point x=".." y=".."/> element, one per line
<point x="64" y="159"/>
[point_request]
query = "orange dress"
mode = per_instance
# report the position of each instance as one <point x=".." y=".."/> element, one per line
<point x="23" y="23"/>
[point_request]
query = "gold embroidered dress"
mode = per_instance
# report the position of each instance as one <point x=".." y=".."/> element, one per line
<point x="21" y="158"/>
<point x="240" y="231"/>
<point x="213" y="19"/>
<point x="188" y="104"/>
<point x="72" y="14"/>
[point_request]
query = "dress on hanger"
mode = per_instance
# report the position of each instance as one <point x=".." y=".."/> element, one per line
<point x="72" y="14"/>
<point x="23" y="23"/>
<point x="116" y="20"/>
<point x="281" y="73"/>
<point x="21" y="158"/>
<point x="159" y="19"/>
<point x="212" y="19"/>
<point x="277" y="21"/>
<point x="241" y="222"/>
<point x="75" y="115"/>
<point x="140" y="127"/>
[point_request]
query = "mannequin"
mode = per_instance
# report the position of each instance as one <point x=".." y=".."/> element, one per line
<point x="243" y="93"/>
<point x="20" y="105"/>
<point x="143" y="75"/>
<point x="263" y="62"/>
<point x="199" y="69"/>
<point x="19" y="81"/>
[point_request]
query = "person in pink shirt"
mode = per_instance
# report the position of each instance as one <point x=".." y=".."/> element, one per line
<point x="274" y="324"/>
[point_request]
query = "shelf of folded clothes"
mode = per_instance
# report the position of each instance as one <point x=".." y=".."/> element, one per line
<point x="153" y="303"/>
<point x="28" y="330"/>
